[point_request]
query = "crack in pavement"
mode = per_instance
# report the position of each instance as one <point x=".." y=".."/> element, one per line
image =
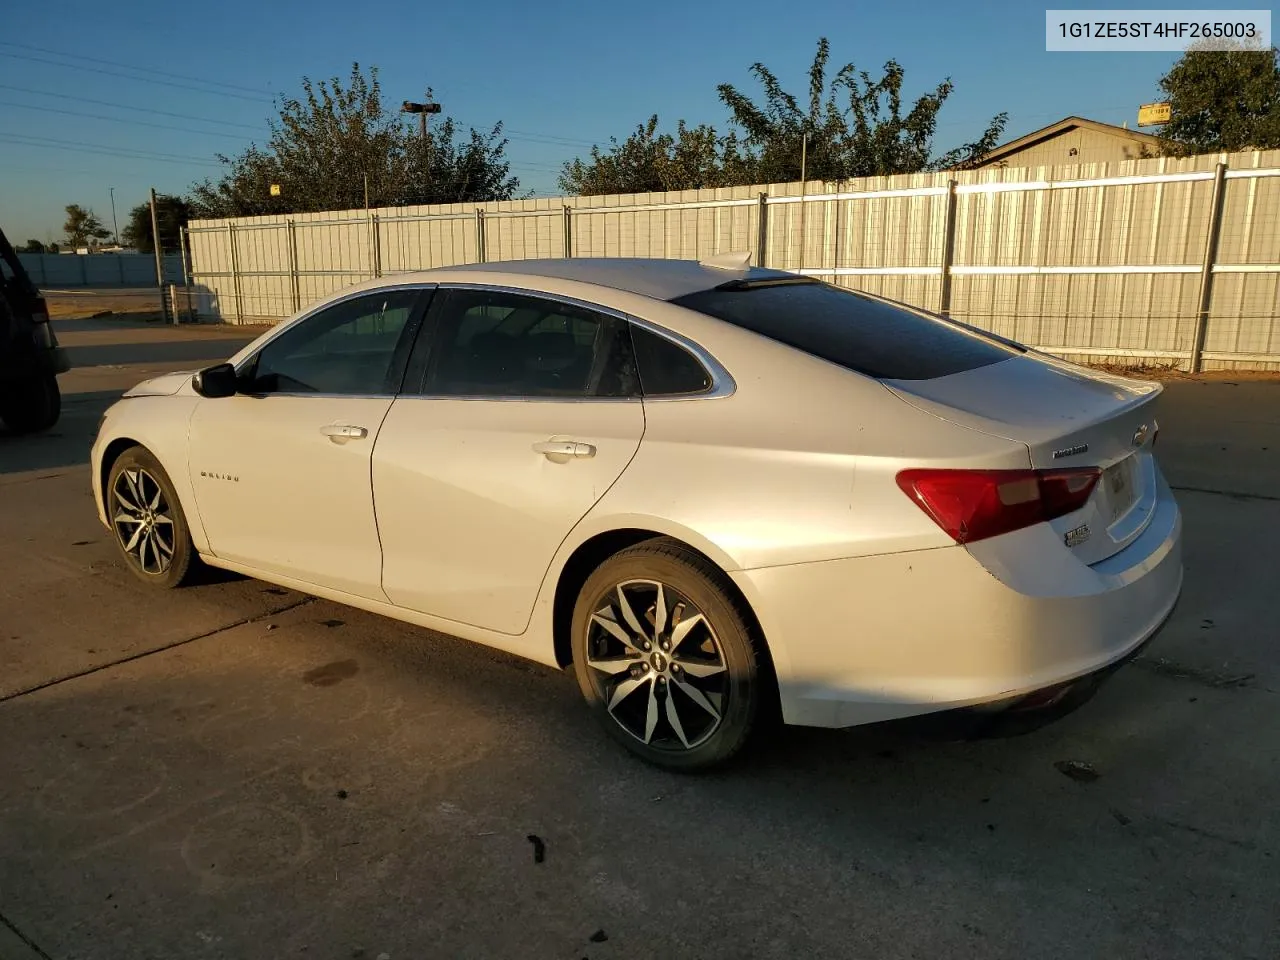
<point x="35" y="948"/>
<point x="1209" y="678"/>
<point x="147" y="653"/>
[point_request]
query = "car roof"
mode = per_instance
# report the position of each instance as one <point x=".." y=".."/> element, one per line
<point x="658" y="279"/>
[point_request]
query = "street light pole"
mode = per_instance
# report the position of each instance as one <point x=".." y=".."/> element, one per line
<point x="115" y="227"/>
<point x="423" y="110"/>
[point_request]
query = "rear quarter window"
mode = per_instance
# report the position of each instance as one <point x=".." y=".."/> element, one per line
<point x="667" y="370"/>
<point x="857" y="332"/>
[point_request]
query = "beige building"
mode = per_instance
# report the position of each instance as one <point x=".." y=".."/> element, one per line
<point x="1073" y="140"/>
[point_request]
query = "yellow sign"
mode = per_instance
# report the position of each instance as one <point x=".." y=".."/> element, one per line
<point x="275" y="189"/>
<point x="1154" y="114"/>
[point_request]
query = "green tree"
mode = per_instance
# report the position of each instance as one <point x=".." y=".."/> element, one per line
<point x="33" y="246"/>
<point x="855" y="126"/>
<point x="172" y="214"/>
<point x="82" y="226"/>
<point x="854" y="123"/>
<point x="689" y="159"/>
<point x="339" y="135"/>
<point x="1223" y="100"/>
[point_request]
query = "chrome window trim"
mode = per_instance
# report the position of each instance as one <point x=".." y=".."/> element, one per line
<point x="722" y="382"/>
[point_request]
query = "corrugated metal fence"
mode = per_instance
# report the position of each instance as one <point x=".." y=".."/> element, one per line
<point x="1171" y="261"/>
<point x="98" y="269"/>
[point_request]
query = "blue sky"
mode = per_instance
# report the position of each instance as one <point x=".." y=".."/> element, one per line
<point x="561" y="75"/>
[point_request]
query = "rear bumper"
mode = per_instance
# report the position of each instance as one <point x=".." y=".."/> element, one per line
<point x="21" y="364"/>
<point x="59" y="361"/>
<point x="879" y="638"/>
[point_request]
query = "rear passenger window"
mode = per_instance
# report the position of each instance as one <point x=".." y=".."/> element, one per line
<point x="667" y="369"/>
<point x="505" y="345"/>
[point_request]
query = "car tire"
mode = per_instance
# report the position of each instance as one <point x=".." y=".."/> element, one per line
<point x="31" y="404"/>
<point x="146" y="517"/>
<point x="690" y="698"/>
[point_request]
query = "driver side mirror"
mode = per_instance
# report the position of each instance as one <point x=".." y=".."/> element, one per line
<point x="220" y="380"/>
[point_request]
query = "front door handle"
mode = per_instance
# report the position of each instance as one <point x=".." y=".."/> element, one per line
<point x="343" y="431"/>
<point x="562" y="451"/>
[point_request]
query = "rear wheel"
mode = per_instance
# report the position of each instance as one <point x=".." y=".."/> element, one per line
<point x="665" y="657"/>
<point x="31" y="404"/>
<point x="150" y="529"/>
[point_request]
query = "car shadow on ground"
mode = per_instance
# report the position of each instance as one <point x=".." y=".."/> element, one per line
<point x="196" y="352"/>
<point x="66" y="444"/>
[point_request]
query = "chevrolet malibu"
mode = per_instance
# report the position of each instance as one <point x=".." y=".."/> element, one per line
<point x="715" y="492"/>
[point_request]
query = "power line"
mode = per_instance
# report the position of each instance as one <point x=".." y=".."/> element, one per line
<point x="550" y="138"/>
<point x="126" y="76"/>
<point x="127" y="66"/>
<point x="140" y="123"/>
<point x="25" y="140"/>
<point x="8" y="168"/>
<point x="125" y="106"/>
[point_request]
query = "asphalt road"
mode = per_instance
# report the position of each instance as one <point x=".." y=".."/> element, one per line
<point x="236" y="771"/>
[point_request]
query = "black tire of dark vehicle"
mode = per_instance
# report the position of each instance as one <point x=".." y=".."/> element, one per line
<point x="31" y="404"/>
<point x="666" y="658"/>
<point x="150" y="529"/>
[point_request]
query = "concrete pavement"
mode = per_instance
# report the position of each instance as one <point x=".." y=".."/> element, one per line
<point x="233" y="770"/>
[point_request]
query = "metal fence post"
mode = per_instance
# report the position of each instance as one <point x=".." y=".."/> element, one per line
<point x="158" y="248"/>
<point x="183" y="239"/>
<point x="762" y="229"/>
<point x="375" y="253"/>
<point x="235" y="272"/>
<point x="480" y="251"/>
<point x="1206" y="271"/>
<point x="568" y="230"/>
<point x="948" y="250"/>
<point x="293" y="266"/>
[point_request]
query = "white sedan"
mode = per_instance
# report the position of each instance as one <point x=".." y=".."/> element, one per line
<point x="713" y="491"/>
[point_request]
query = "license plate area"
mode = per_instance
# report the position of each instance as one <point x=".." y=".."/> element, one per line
<point x="1120" y="488"/>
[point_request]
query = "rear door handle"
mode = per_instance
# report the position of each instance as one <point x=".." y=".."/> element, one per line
<point x="561" y="451"/>
<point x="343" y="431"/>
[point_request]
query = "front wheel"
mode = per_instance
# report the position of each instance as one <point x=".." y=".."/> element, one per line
<point x="665" y="657"/>
<point x="150" y="528"/>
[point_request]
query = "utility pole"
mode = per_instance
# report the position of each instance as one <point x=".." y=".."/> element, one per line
<point x="155" y="243"/>
<point x="115" y="227"/>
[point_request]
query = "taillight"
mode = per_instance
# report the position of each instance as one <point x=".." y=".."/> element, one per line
<point x="41" y="333"/>
<point x="975" y="504"/>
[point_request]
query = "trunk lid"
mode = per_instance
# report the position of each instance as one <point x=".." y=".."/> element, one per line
<point x="1067" y="417"/>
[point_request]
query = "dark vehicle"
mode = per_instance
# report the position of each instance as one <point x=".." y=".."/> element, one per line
<point x="30" y="358"/>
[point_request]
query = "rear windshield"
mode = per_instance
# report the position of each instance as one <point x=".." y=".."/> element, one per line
<point x="857" y="332"/>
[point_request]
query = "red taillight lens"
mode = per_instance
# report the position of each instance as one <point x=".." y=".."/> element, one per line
<point x="975" y="504"/>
